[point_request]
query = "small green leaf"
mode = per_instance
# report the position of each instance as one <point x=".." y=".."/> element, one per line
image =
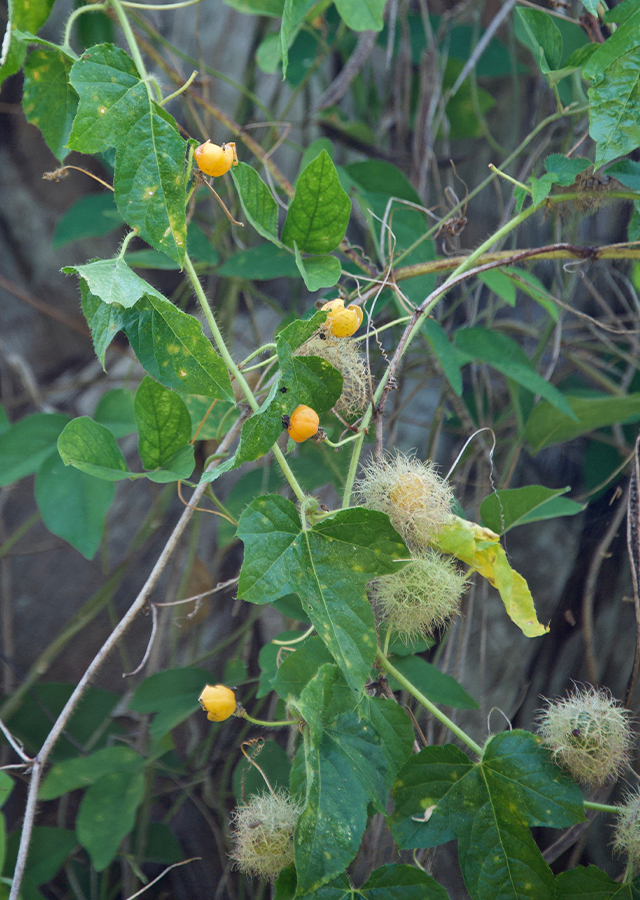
<point x="328" y="567"/>
<point x="377" y="177"/>
<point x="164" y="423"/>
<point x="318" y="271"/>
<point x="107" y="814"/>
<point x="591" y="883"/>
<point x="78" y="772"/>
<point x="503" y="510"/>
<point x="627" y="172"/>
<point x="547" y="425"/>
<point x="362" y="15"/>
<point x="49" y="101"/>
<point x="614" y="95"/>
<point x="6" y="786"/>
<point x="92" y="448"/>
<point x="500" y="284"/>
<point x="26" y="16"/>
<point x="73" y="505"/>
<point x="49" y="848"/>
<point x="319" y="212"/>
<point x="257" y="202"/>
<point x="172" y="695"/>
<point x="112" y="281"/>
<point x="447" y="356"/>
<point x="566" y="170"/>
<point x="177" y="468"/>
<point x="260" y="263"/>
<point x="115" y="412"/>
<point x="25" y="445"/>
<point x="505" y="355"/>
<point x="539" y="32"/>
<point x="92" y="216"/>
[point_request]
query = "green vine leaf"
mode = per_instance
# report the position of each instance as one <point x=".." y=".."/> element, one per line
<point x="148" y="182"/>
<point x="340" y="748"/>
<point x="169" y="344"/>
<point x="318" y="216"/>
<point x="26" y="18"/>
<point x="107" y="813"/>
<point x="25" y="445"/>
<point x="547" y="425"/>
<point x="92" y="448"/>
<point x="327" y="566"/>
<point x="362" y="15"/>
<point x="614" y="95"/>
<point x="164" y="424"/>
<point x="506" y="509"/>
<point x="257" y="202"/>
<point x="73" y="504"/>
<point x="49" y="101"/>
<point x="590" y="881"/>
<point x="318" y="271"/>
<point x="489" y="807"/>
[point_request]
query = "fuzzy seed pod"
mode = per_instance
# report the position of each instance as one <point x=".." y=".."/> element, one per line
<point x="342" y="322"/>
<point x="410" y="492"/>
<point x="588" y="734"/>
<point x="422" y="597"/>
<point x="626" y="831"/>
<point x="263" y="831"/>
<point x="213" y="159"/>
<point x="218" y="701"/>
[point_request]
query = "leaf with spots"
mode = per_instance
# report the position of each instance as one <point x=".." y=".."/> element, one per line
<point x="327" y="566"/>
<point x="346" y="768"/>
<point x="49" y="101"/>
<point x="489" y="807"/>
<point x="115" y="110"/>
<point x="169" y="344"/>
<point x="172" y="348"/>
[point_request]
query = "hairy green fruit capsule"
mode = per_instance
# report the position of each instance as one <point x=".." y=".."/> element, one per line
<point x="263" y="830"/>
<point x="588" y="734"/>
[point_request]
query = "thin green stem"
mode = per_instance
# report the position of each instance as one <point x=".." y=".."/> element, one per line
<point x="420" y="697"/>
<point x="90" y="7"/>
<point x="281" y="724"/>
<point x="602" y="807"/>
<point x="136" y="56"/>
<point x="353" y="467"/>
<point x="191" y="77"/>
<point x="125" y="243"/>
<point x="235" y="371"/>
<point x="131" y="5"/>
<point x="297" y="640"/>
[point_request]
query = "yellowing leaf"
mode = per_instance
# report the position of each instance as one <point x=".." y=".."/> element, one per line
<point x="480" y="549"/>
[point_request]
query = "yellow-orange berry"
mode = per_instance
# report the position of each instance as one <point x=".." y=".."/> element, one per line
<point x="218" y="701"/>
<point x="213" y="159"/>
<point x="342" y="322"/>
<point x="303" y="423"/>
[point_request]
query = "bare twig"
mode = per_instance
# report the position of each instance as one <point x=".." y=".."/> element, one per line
<point x="118" y="632"/>
<point x="17" y="746"/>
<point x="633" y="547"/>
<point x="590" y="590"/>
<point x="154" y="629"/>
<point x="161" y="875"/>
<point x="481" y="46"/>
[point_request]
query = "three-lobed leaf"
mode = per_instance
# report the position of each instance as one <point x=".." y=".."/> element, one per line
<point x="327" y="566"/>
<point x="115" y="110"/>
<point x="490" y="808"/>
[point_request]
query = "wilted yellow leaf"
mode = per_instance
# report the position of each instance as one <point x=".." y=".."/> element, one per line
<point x="480" y="549"/>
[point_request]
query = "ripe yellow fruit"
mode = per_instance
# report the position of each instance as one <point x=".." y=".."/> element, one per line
<point x="213" y="159"/>
<point x="303" y="423"/>
<point x="218" y="701"/>
<point x="342" y="322"/>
